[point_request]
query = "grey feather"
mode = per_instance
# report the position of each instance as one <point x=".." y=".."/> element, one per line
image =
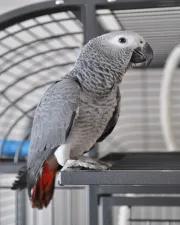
<point x="112" y="122"/>
<point x="53" y="118"/>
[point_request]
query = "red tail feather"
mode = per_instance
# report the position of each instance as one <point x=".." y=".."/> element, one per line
<point x="43" y="190"/>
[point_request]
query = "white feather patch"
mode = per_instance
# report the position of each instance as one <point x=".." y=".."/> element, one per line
<point x="62" y="154"/>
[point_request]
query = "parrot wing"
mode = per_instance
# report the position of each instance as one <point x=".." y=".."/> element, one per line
<point x="112" y="122"/>
<point x="52" y="122"/>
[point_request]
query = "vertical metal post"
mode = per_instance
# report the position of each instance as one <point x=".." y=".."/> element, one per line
<point x="69" y="206"/>
<point x="89" y="21"/>
<point x="23" y="206"/>
<point x="34" y="217"/>
<point x="52" y="212"/>
<point x="106" y="210"/>
<point x="20" y="207"/>
<point x="17" y="206"/>
<point x="92" y="204"/>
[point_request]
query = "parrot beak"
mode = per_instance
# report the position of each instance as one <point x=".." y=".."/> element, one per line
<point x="142" y="55"/>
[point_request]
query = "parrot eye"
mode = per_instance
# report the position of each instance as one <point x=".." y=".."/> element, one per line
<point x="122" y="40"/>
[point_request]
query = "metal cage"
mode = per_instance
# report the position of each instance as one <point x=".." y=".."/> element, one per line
<point x="39" y="44"/>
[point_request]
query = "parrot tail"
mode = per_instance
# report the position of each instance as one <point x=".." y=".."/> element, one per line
<point x="21" y="183"/>
<point x="43" y="190"/>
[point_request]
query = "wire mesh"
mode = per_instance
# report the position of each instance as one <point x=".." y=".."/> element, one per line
<point x="40" y="49"/>
<point x="33" y="53"/>
<point x="36" y="51"/>
<point x="159" y="26"/>
<point x="154" y="215"/>
<point x="139" y="127"/>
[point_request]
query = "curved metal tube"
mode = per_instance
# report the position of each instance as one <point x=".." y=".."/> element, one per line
<point x="165" y="98"/>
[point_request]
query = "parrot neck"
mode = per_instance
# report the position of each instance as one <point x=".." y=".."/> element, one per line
<point x="97" y="76"/>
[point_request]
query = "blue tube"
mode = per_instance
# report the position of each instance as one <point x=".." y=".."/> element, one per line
<point x="11" y="146"/>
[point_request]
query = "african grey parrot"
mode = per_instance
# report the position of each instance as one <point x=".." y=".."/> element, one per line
<point x="78" y="111"/>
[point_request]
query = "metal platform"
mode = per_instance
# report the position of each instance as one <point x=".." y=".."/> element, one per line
<point x="129" y="169"/>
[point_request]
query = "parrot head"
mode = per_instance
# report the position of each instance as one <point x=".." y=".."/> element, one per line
<point x="105" y="59"/>
<point x="126" y="46"/>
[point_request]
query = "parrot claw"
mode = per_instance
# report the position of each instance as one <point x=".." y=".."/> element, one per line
<point x="86" y="162"/>
<point x="95" y="161"/>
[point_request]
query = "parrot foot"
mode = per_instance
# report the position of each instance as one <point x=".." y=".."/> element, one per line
<point x="86" y="162"/>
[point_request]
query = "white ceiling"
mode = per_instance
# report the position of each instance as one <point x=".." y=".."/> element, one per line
<point x="7" y="5"/>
